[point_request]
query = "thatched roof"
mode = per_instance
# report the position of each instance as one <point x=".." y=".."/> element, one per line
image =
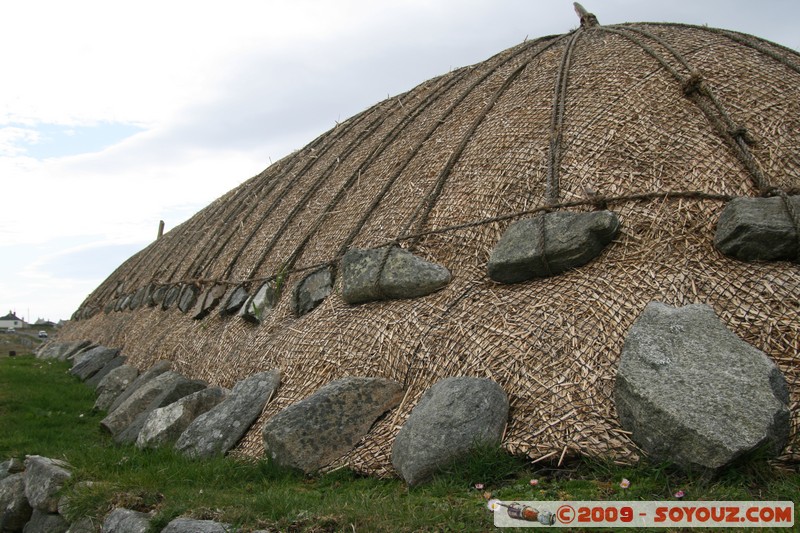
<point x="662" y="123"/>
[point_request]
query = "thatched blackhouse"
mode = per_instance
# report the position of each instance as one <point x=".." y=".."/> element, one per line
<point x="663" y="124"/>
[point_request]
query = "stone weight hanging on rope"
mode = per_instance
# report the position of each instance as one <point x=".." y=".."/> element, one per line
<point x="753" y="229"/>
<point x="570" y="240"/>
<point x="389" y="273"/>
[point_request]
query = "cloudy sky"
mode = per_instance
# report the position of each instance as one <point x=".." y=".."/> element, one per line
<point x="117" y="114"/>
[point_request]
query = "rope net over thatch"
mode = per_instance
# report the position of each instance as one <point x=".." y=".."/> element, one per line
<point x="660" y="123"/>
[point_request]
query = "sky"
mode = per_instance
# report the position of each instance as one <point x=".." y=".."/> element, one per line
<point x="117" y="114"/>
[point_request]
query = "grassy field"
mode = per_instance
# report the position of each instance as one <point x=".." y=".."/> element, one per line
<point x="46" y="411"/>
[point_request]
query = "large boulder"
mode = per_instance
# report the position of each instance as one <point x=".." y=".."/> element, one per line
<point x="753" y="229"/>
<point x="571" y="240"/>
<point x="172" y="390"/>
<point x="218" y="430"/>
<point x="122" y="520"/>
<point x="91" y="362"/>
<point x="692" y="393"/>
<point x="165" y="424"/>
<point x="188" y="525"/>
<point x="153" y="372"/>
<point x="389" y="273"/>
<point x="43" y="479"/>
<point x="15" y="511"/>
<point x="323" y="427"/>
<point x="154" y="391"/>
<point x="452" y="417"/>
<point x="113" y="385"/>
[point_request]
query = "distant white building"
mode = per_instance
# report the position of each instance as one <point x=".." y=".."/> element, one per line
<point x="11" y="320"/>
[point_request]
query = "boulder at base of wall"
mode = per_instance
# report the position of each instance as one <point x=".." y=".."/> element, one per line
<point x="165" y="424"/>
<point x="42" y="522"/>
<point x="260" y="304"/>
<point x="171" y="392"/>
<point x="218" y="430"/>
<point x="369" y="275"/>
<point x="139" y="401"/>
<point x="43" y="480"/>
<point x="571" y="240"/>
<point x="452" y="417"/>
<point x="188" y="525"/>
<point x="312" y="291"/>
<point x="92" y="361"/>
<point x="753" y="229"/>
<point x="323" y="427"/>
<point x="62" y="351"/>
<point x="156" y="370"/>
<point x="95" y="380"/>
<point x="693" y="393"/>
<point x="15" y="511"/>
<point x="114" y="384"/>
<point x="233" y="300"/>
<point x="122" y="520"/>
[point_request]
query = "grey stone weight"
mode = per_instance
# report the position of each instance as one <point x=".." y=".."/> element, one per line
<point x="571" y="240"/>
<point x="753" y="229"/>
<point x="260" y="304"/>
<point x="188" y="298"/>
<point x="170" y="297"/>
<point x="208" y="301"/>
<point x="43" y="479"/>
<point x="323" y="427"/>
<point x="389" y="273"/>
<point x="165" y="424"/>
<point x="692" y="393"/>
<point x="450" y="419"/>
<point x="233" y="300"/>
<point x="312" y="291"/>
<point x="218" y="430"/>
<point x="113" y="385"/>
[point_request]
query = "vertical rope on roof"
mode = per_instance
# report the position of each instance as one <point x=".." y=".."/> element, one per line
<point x="385" y="143"/>
<point x="552" y="191"/>
<point x="328" y="142"/>
<point x="425" y="207"/>
<point x="448" y="112"/>
<point x="698" y="92"/>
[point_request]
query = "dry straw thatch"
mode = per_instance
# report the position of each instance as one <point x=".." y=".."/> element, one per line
<point x="662" y="123"/>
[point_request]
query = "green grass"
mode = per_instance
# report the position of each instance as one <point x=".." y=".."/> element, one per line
<point x="46" y="411"/>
